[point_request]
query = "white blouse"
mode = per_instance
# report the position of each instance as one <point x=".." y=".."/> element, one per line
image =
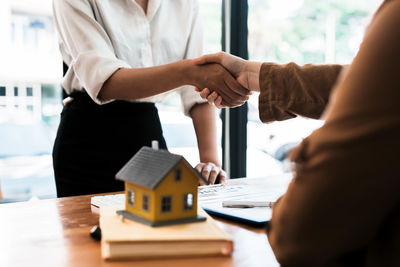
<point x="98" y="37"/>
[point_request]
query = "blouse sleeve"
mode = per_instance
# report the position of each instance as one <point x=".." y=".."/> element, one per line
<point x="194" y="48"/>
<point x="92" y="57"/>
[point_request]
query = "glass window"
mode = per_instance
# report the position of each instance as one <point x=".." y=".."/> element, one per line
<point x="211" y="14"/>
<point x="178" y="173"/>
<point x="178" y="129"/>
<point x="300" y="31"/>
<point x="29" y="91"/>
<point x="145" y="202"/>
<point x="188" y="201"/>
<point x="131" y="197"/>
<point x="166" y="204"/>
<point x="30" y="60"/>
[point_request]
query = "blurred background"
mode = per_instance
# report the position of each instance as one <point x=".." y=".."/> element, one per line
<point x="303" y="31"/>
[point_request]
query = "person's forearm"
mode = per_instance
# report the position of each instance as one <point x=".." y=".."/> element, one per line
<point x="252" y="71"/>
<point x="290" y="90"/>
<point x="350" y="161"/>
<point x="129" y="84"/>
<point x="204" y="121"/>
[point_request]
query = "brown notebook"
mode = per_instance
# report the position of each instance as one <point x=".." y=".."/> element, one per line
<point x="123" y="238"/>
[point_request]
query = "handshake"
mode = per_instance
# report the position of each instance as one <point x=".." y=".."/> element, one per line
<point x="225" y="80"/>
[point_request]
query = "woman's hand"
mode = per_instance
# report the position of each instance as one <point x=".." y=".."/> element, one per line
<point x="246" y="73"/>
<point x="211" y="172"/>
<point x="212" y="97"/>
<point x="217" y="79"/>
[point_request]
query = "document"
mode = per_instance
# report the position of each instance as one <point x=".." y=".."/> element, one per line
<point x="211" y="198"/>
<point x="267" y="189"/>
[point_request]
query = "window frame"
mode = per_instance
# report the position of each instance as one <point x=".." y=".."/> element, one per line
<point x="166" y="204"/>
<point x="131" y="197"/>
<point x="187" y="207"/>
<point x="146" y="202"/>
<point x="178" y="175"/>
<point x="234" y="120"/>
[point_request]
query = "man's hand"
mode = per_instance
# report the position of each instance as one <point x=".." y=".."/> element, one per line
<point x="211" y="172"/>
<point x="235" y="65"/>
<point x="219" y="80"/>
<point x="246" y="73"/>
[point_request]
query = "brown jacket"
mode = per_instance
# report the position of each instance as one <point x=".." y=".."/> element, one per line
<point x="342" y="207"/>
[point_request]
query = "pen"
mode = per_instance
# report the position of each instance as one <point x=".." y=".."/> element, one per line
<point x="246" y="204"/>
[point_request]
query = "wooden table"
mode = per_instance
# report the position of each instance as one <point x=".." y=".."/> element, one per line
<point x="55" y="232"/>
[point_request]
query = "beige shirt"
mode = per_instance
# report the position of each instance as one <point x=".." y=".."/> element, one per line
<point x="343" y="205"/>
<point x="98" y="37"/>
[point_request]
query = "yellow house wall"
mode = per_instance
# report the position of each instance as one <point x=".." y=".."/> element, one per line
<point x="169" y="186"/>
<point x="137" y="209"/>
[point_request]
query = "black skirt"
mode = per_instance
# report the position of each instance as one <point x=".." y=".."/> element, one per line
<point x="95" y="141"/>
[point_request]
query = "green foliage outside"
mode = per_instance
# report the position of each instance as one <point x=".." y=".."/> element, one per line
<point x="300" y="34"/>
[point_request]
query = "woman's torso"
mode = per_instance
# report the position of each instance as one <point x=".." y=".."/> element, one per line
<point x="140" y="39"/>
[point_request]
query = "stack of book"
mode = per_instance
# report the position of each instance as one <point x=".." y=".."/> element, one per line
<point x="123" y="238"/>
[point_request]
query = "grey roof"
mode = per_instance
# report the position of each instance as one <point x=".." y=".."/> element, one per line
<point x="149" y="167"/>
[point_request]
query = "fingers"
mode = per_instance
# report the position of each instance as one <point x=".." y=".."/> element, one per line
<point x="211" y="172"/>
<point x="229" y="89"/>
<point x="223" y="90"/>
<point x="199" y="167"/>
<point x="235" y="65"/>
<point x="210" y="58"/>
<point x="206" y="172"/>
<point x="233" y="99"/>
<point x="236" y="86"/>
<point x="212" y="97"/>
<point x="227" y="94"/>
<point x="222" y="177"/>
<point x="217" y="79"/>
<point x="218" y="103"/>
<point x="205" y="93"/>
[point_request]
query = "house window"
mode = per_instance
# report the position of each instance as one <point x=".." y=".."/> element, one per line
<point x="178" y="174"/>
<point x="145" y="202"/>
<point x="187" y="201"/>
<point x="166" y="204"/>
<point x="131" y="198"/>
<point x="29" y="91"/>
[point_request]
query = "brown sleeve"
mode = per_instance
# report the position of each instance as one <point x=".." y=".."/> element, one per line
<point x="290" y="90"/>
<point x="346" y="189"/>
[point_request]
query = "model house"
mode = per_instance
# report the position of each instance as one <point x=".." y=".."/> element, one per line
<point x="160" y="188"/>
